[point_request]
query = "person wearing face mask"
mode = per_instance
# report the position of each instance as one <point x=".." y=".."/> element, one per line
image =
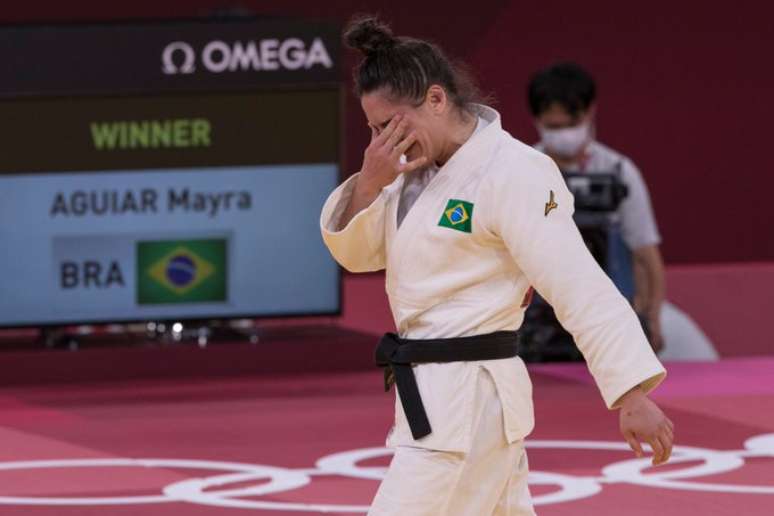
<point x="562" y="100"/>
<point x="464" y="219"/>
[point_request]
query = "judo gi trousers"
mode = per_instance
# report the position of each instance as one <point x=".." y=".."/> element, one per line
<point x="489" y="479"/>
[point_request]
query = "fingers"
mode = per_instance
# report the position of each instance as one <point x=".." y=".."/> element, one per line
<point x="661" y="446"/>
<point x="667" y="438"/>
<point x="669" y="432"/>
<point x="385" y="135"/>
<point x="396" y="136"/>
<point x="413" y="165"/>
<point x="666" y="444"/>
<point x="404" y="145"/>
<point x="658" y="451"/>
<point x="645" y="421"/>
<point x="634" y="444"/>
<point x="387" y="146"/>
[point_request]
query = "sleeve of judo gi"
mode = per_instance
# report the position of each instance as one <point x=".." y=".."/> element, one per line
<point x="358" y="247"/>
<point x="531" y="210"/>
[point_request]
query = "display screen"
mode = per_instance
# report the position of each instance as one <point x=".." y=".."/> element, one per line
<point x="170" y="205"/>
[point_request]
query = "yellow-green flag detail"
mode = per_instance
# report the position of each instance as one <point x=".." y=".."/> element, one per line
<point x="181" y="271"/>
<point x="457" y="215"/>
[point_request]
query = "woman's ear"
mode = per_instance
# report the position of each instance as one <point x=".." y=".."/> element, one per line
<point x="436" y="99"/>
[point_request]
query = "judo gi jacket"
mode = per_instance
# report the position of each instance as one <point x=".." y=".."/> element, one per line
<point x="494" y="221"/>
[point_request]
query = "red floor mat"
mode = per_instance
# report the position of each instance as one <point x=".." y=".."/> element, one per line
<point x="308" y="444"/>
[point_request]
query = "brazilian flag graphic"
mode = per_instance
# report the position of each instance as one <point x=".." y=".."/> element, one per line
<point x="181" y="271"/>
<point x="457" y="215"/>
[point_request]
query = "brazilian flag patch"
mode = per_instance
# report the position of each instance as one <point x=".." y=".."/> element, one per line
<point x="181" y="271"/>
<point x="457" y="215"/>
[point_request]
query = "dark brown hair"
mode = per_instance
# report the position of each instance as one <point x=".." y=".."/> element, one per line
<point x="566" y="84"/>
<point x="405" y="67"/>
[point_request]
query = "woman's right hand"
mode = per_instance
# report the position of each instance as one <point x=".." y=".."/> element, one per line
<point x="381" y="161"/>
<point x="381" y="166"/>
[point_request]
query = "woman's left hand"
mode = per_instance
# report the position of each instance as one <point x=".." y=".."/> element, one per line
<point x="642" y="420"/>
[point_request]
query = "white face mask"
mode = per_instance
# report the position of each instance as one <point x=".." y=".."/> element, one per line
<point x="567" y="142"/>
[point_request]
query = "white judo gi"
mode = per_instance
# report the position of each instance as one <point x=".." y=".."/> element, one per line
<point x="495" y="220"/>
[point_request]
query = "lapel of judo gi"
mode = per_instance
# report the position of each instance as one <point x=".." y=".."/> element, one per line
<point x="422" y="227"/>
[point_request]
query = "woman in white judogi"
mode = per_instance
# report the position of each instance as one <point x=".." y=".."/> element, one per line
<point x="466" y="220"/>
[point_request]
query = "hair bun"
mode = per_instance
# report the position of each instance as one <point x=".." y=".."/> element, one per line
<point x="369" y="35"/>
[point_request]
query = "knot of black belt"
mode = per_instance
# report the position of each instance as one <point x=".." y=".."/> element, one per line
<point x="396" y="355"/>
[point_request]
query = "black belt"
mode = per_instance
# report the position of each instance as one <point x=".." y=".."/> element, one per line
<point x="396" y="355"/>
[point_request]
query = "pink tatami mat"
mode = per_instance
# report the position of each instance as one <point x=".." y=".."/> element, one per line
<point x="303" y="444"/>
